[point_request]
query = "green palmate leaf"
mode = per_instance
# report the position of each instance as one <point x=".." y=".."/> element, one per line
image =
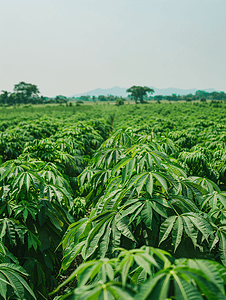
<point x="93" y="238"/>
<point x="105" y="240"/>
<point x="146" y="214"/>
<point x="163" y="290"/>
<point x="148" y="287"/>
<point x="90" y="295"/>
<point x="3" y="286"/>
<point x="9" y="228"/>
<point x="146" y="179"/>
<point x="33" y="241"/>
<point x="191" y="223"/>
<point x="166" y="228"/>
<point x="73" y="275"/>
<point x="123" y="227"/>
<point x="131" y="209"/>
<point x="215" y="241"/>
<point x="71" y="253"/>
<point x="207" y="184"/>
<point x="149" y="184"/>
<point x="158" y="286"/>
<point x="89" y="273"/>
<point x="161" y="179"/>
<point x="160" y="206"/>
<point x="96" y="237"/>
<point x="176" y="170"/>
<point x="109" y="291"/>
<point x="222" y="247"/>
<point x="110" y="272"/>
<point x="101" y="270"/>
<point x="190" y="230"/>
<point x="25" y="179"/>
<point x="122" y="293"/>
<point x="177" y="232"/>
<point x="55" y="220"/>
<point x="11" y="274"/>
<point x="140" y="183"/>
<point x="26" y="286"/>
<point x="86" y="174"/>
<point x="209" y="289"/>
<point x="136" y="215"/>
<point x="128" y="169"/>
<point x="144" y="262"/>
<point x="24" y="208"/>
<point x="201" y="224"/>
<point x="3" y="227"/>
<point x="116" y="235"/>
<point x="100" y="178"/>
<point x="76" y="231"/>
<point x="214" y="200"/>
<point x="210" y="270"/>
<point x="184" y="290"/>
<point x="60" y="193"/>
<point x="139" y="276"/>
<point x="125" y="269"/>
<point x="122" y="164"/>
<point x="14" y="282"/>
<point x="183" y="203"/>
<point x="113" y="184"/>
<point x="92" y="270"/>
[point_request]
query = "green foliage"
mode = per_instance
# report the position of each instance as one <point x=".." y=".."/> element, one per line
<point x="12" y="277"/>
<point x="89" y="194"/>
<point x="138" y="92"/>
<point x="147" y="273"/>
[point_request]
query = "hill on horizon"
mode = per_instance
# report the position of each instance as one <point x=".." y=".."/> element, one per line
<point x="121" y="92"/>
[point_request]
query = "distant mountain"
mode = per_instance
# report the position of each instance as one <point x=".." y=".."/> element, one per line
<point x="117" y="91"/>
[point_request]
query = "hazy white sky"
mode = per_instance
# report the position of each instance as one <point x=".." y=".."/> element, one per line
<point x="71" y="46"/>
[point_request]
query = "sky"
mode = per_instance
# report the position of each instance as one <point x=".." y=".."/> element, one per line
<point x="67" y="47"/>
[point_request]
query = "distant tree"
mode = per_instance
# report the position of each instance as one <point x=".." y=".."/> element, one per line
<point x="14" y="99"/>
<point x="169" y="98"/>
<point x="26" y="91"/>
<point x="102" y="98"/>
<point x="111" y="98"/>
<point x="85" y="98"/>
<point x="158" y="97"/>
<point x="201" y="93"/>
<point x="203" y="99"/>
<point x="4" y="97"/>
<point x="174" y="97"/>
<point x="138" y="92"/>
<point x="216" y="96"/>
<point x="61" y="99"/>
<point x="120" y="101"/>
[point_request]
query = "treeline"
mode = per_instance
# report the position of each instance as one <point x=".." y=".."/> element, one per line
<point x="199" y="95"/>
<point x="109" y="98"/>
<point x="99" y="98"/>
<point x="27" y="93"/>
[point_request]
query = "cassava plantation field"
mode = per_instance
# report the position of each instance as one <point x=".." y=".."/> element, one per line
<point x="106" y="202"/>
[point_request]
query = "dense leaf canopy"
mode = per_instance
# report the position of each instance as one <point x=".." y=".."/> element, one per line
<point x="113" y="203"/>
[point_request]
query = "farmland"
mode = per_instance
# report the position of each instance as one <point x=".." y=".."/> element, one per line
<point x="113" y="202"/>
